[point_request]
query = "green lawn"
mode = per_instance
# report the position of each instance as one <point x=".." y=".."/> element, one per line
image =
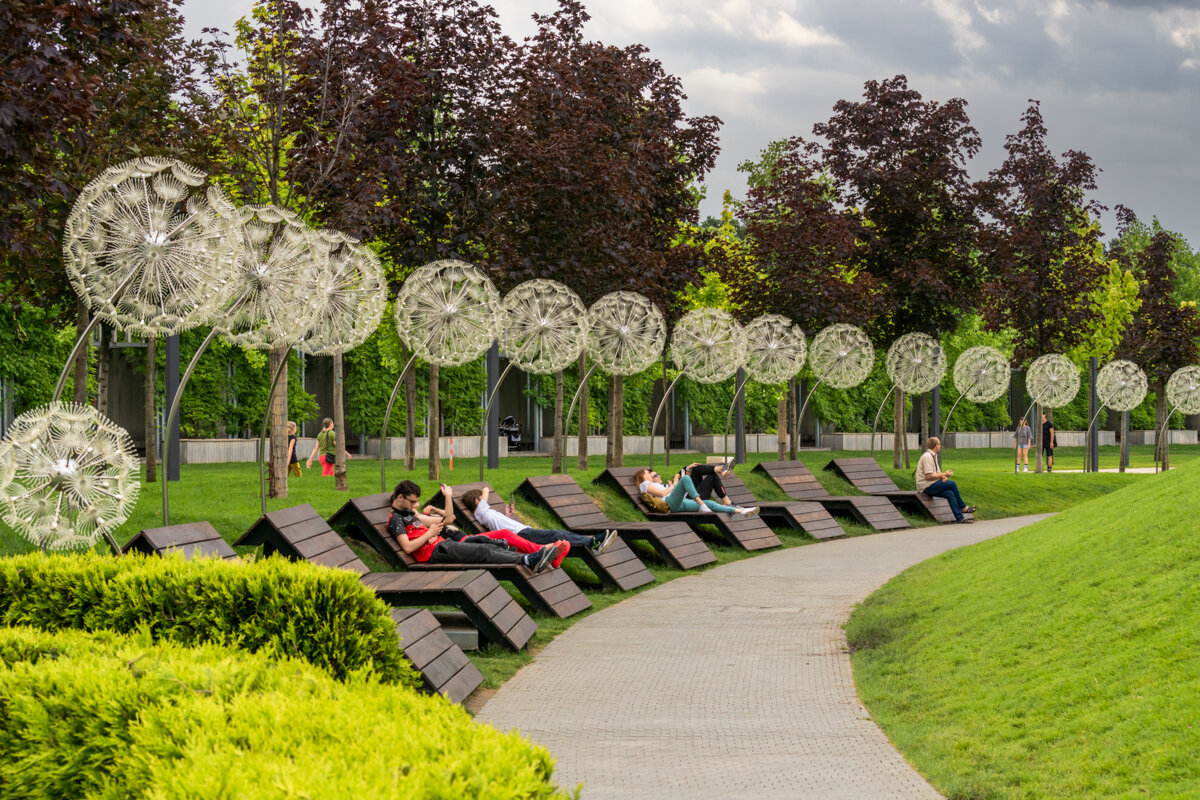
<point x="1056" y="662"/>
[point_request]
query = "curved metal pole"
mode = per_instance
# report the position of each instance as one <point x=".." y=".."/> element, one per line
<point x="173" y="415"/>
<point x="487" y="410"/>
<point x="946" y="424"/>
<point x="658" y="413"/>
<point x="729" y="418"/>
<point x="575" y="399"/>
<point x="1088" y="430"/>
<point x="1158" y="434"/>
<point x="81" y="341"/>
<point x="875" y="424"/>
<point x="1016" y="463"/>
<point x="387" y="416"/>
<point x="804" y="406"/>
<point x="262" y="474"/>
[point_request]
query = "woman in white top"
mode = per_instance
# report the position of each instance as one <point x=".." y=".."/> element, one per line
<point x="680" y="494"/>
<point x="1021" y="440"/>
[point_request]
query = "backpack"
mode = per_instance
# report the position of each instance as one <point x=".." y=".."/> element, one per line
<point x="655" y="503"/>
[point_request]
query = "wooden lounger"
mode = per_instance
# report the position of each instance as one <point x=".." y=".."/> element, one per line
<point x="619" y="568"/>
<point x="676" y="542"/>
<point x="550" y="592"/>
<point x="749" y="533"/>
<point x="866" y="475"/>
<point x="300" y="533"/>
<point x="799" y="483"/>
<point x="801" y="515"/>
<point x="442" y="664"/>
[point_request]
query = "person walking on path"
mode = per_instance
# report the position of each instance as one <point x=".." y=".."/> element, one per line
<point x="938" y="484"/>
<point x="476" y="502"/>
<point x="326" y="446"/>
<point x="1048" y="442"/>
<point x="293" y="456"/>
<point x="1022" y="438"/>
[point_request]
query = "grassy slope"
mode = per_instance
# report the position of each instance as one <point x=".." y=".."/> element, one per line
<point x="1058" y="661"/>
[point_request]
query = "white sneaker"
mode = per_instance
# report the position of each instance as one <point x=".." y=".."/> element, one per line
<point x="747" y="512"/>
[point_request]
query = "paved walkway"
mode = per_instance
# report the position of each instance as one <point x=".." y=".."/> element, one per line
<point x="734" y="683"/>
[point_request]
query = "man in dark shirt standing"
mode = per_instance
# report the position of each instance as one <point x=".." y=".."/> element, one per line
<point x="1048" y="442"/>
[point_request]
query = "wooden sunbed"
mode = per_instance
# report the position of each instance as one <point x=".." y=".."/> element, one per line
<point x="619" y="568"/>
<point x="866" y="475"/>
<point x="801" y="515"/>
<point x="749" y="533"/>
<point x="300" y="533"/>
<point x="443" y="665"/>
<point x="799" y="483"/>
<point x="676" y="542"/>
<point x="550" y="592"/>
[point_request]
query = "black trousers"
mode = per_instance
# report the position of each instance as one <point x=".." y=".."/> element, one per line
<point x="707" y="481"/>
<point x="477" y="552"/>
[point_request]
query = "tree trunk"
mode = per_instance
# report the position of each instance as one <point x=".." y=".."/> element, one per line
<point x="410" y="416"/>
<point x="581" y="461"/>
<point x="610" y="427"/>
<point x="150" y="408"/>
<point x="619" y="419"/>
<point x="1037" y="439"/>
<point x="793" y="418"/>
<point x="340" y="482"/>
<point x="1162" y="443"/>
<point x="435" y="425"/>
<point x="103" y="352"/>
<point x="781" y="425"/>
<point x="277" y="472"/>
<point x="1124" y="440"/>
<point x="80" y="391"/>
<point x="556" y="452"/>
<point x="898" y="437"/>
<point x="921" y="406"/>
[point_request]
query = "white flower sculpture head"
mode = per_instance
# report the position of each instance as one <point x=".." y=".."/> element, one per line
<point x="274" y="274"/>
<point x="916" y="363"/>
<point x="1183" y="390"/>
<point x="348" y="299"/>
<point x="448" y="313"/>
<point x="1053" y="380"/>
<point x="543" y="326"/>
<point x="626" y="333"/>
<point x="152" y="225"/>
<point x="1121" y="385"/>
<point x="68" y="475"/>
<point x="841" y="356"/>
<point x="708" y="345"/>
<point x="981" y="374"/>
<point x="775" y="349"/>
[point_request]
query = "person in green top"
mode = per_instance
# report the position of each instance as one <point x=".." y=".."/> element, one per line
<point x="326" y="445"/>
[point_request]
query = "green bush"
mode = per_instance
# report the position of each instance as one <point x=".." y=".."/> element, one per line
<point x="279" y="607"/>
<point x="108" y="716"/>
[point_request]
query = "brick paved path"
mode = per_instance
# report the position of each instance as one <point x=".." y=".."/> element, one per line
<point x="734" y="683"/>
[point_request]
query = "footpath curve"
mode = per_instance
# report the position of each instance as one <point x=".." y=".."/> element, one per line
<point x="734" y="683"/>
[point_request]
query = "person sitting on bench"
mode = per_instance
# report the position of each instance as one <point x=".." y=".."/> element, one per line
<point x="493" y="520"/>
<point x="681" y="495"/>
<point x="938" y="484"/>
<point x="420" y="536"/>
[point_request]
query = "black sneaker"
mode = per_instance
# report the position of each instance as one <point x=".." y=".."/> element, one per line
<point x="542" y="558"/>
<point x="730" y="464"/>
<point x="600" y="544"/>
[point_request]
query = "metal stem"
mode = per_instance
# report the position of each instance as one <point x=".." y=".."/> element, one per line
<point x="729" y="417"/>
<point x="582" y="384"/>
<point x="81" y="342"/>
<point x="878" y="414"/>
<point x="654" y="424"/>
<point x="387" y="416"/>
<point x="1158" y="435"/>
<point x="112" y="543"/>
<point x="807" y="400"/>
<point x="262" y="473"/>
<point x="487" y="409"/>
<point x="172" y="415"/>
<point x="1089" y="430"/>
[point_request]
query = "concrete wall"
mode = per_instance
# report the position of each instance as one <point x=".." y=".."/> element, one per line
<point x="464" y="447"/>
<point x="1175" y="437"/>
<point x="862" y="441"/>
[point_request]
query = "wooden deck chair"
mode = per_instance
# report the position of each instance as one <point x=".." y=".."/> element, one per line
<point x="442" y="664"/>
<point x="300" y="533"/>
<point x="749" y="533"/>
<point x="799" y="483"/>
<point x="619" y="568"/>
<point x="801" y="515"/>
<point x="866" y="475"/>
<point x="550" y="592"/>
<point x="676" y="542"/>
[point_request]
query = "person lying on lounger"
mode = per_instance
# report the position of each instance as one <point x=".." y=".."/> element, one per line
<point x="707" y="479"/>
<point x="492" y="519"/>
<point x="420" y="536"/>
<point x="681" y="495"/>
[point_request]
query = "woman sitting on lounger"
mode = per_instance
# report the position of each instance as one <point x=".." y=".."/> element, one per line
<point x="681" y="495"/>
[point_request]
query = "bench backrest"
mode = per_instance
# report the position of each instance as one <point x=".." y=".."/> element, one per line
<point x="566" y="498"/>
<point x="300" y="532"/>
<point x="864" y="474"/>
<point x="191" y="539"/>
<point x="796" y="480"/>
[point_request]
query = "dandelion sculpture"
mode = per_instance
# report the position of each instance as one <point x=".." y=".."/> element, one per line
<point x="841" y="356"/>
<point x="68" y="475"/>
<point x="275" y="265"/>
<point x="543" y="329"/>
<point x="1052" y="381"/>
<point x="1183" y="394"/>
<point x="447" y="313"/>
<point x="1122" y="386"/>
<point x="981" y="375"/>
<point x="775" y="352"/>
<point x="147" y="247"/>
<point x="916" y="363"/>
<point x="625" y="335"/>
<point x="707" y="346"/>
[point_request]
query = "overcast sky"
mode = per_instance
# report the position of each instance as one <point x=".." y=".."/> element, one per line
<point x="1119" y="80"/>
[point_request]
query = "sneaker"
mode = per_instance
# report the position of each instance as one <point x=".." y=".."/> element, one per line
<point x="541" y="560"/>
<point x="747" y="512"/>
<point x="600" y="544"/>
<point x="729" y="465"/>
<point x="563" y="548"/>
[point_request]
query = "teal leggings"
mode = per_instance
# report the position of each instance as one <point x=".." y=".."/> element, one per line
<point x="683" y="497"/>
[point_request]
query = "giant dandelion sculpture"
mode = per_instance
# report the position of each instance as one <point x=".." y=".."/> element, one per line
<point x="840" y="356"/>
<point x="1122" y="386"/>
<point x="1183" y="394"/>
<point x="625" y="335"/>
<point x="708" y="346"/>
<point x="68" y="475"/>
<point x="1052" y="382"/>
<point x="981" y="375"/>
<point x="775" y="352"/>
<point x="543" y="329"/>
<point x="916" y="363"/>
<point x="447" y="313"/>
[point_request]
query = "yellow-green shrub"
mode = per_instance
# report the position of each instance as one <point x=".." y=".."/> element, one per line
<point x="109" y="716"/>
<point x="276" y="606"/>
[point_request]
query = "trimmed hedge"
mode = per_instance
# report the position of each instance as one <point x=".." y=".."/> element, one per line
<point x="276" y="606"/>
<point x="109" y="716"/>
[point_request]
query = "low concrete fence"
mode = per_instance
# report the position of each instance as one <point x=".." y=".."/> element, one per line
<point x="1173" y="437"/>
<point x="220" y="451"/>
<point x="464" y="447"/>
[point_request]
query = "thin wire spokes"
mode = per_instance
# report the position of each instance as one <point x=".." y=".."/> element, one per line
<point x="447" y="313"/>
<point x="1183" y="390"/>
<point x="349" y="299"/>
<point x="1121" y="385"/>
<point x="775" y="349"/>
<point x="544" y="326"/>
<point x="981" y="374"/>
<point x="708" y="345"/>
<point x="841" y="356"/>
<point x="626" y="333"/>
<point x="916" y="363"/>
<point x="1052" y="380"/>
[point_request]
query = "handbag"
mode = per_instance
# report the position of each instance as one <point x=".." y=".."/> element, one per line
<point x="655" y="503"/>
